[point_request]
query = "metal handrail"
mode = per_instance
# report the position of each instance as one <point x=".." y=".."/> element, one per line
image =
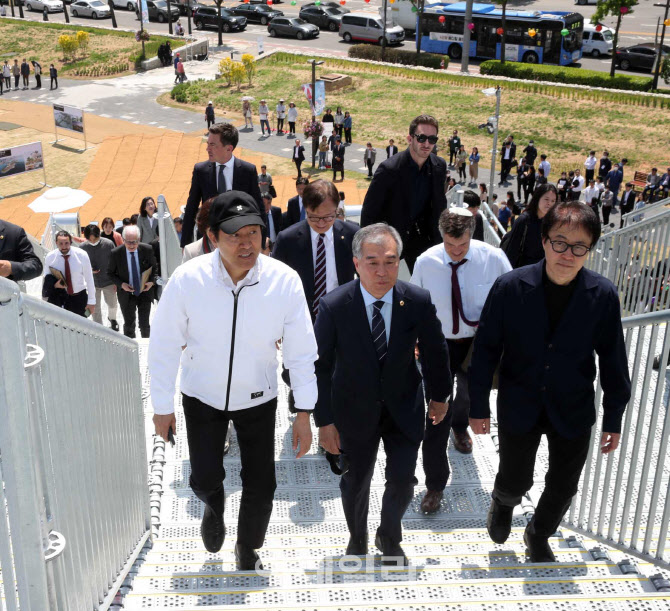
<point x="492" y="218"/>
<point x="653" y="208"/>
<point x="623" y="499"/>
<point x="168" y="241"/>
<point x="73" y="457"/>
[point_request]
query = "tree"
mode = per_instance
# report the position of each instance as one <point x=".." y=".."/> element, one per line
<point x="503" y="24"/>
<point x="418" y="6"/>
<point x="249" y="66"/>
<point x="613" y="8"/>
<point x="665" y="70"/>
<point x="226" y="69"/>
<point x="219" y="4"/>
<point x="237" y="74"/>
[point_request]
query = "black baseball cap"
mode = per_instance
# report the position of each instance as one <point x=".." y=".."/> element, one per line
<point x="232" y="210"/>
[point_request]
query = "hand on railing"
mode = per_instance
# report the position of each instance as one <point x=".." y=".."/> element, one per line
<point x="163" y="422"/>
<point x="609" y="442"/>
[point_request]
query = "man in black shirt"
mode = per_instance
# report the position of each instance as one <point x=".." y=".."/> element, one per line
<point x="547" y="373"/>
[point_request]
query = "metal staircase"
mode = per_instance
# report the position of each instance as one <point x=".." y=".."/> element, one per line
<point x="454" y="565"/>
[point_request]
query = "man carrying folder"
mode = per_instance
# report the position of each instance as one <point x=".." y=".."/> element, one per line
<point x="132" y="268"/>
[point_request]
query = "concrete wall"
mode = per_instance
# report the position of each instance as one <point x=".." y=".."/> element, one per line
<point x="198" y="47"/>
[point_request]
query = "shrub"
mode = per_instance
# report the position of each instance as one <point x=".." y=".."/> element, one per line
<point x="249" y="66"/>
<point x="179" y="93"/>
<point x="68" y="45"/>
<point x="237" y="74"/>
<point x="399" y="56"/>
<point x="83" y="39"/>
<point x="226" y="69"/>
<point x="565" y="74"/>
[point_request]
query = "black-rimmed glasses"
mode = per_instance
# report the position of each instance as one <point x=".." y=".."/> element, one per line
<point x="559" y="246"/>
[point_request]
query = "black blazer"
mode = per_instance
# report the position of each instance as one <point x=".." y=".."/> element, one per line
<point x="16" y="247"/>
<point x="391" y="150"/>
<point x="627" y="201"/>
<point x="292" y="214"/>
<point x="556" y="372"/>
<point x="391" y="190"/>
<point x="339" y="151"/>
<point x="301" y="153"/>
<point x="352" y="386"/>
<point x="277" y="219"/>
<point x="118" y="264"/>
<point x="525" y="241"/>
<point x="203" y="186"/>
<point x="294" y="247"/>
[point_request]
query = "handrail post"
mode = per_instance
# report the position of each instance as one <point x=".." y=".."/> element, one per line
<point x="162" y="235"/>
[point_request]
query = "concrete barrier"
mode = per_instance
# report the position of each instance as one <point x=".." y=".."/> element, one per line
<point x="187" y="53"/>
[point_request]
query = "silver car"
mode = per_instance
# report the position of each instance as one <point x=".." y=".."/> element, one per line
<point x="131" y="5"/>
<point x="52" y="6"/>
<point x="90" y="8"/>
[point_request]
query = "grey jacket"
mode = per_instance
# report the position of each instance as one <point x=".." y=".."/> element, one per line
<point x="147" y="233"/>
<point x="99" y="254"/>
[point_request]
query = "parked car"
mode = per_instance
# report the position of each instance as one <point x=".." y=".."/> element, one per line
<point x="52" y="6"/>
<point x="131" y="5"/>
<point x="205" y="17"/>
<point x="263" y="1"/>
<point x="369" y="27"/>
<point x="327" y="5"/>
<point x="597" y="43"/>
<point x="292" y="26"/>
<point x="90" y="8"/>
<point x="158" y="10"/>
<point x="586" y="1"/>
<point x="327" y="18"/>
<point x="257" y="13"/>
<point x="639" y="57"/>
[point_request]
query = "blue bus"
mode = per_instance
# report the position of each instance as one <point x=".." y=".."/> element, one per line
<point x="547" y="46"/>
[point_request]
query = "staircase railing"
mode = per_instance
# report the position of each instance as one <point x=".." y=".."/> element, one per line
<point x="74" y="497"/>
<point x="649" y="211"/>
<point x="623" y="499"/>
<point x="168" y="241"/>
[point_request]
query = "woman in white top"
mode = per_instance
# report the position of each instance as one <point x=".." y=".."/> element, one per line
<point x="339" y="120"/>
<point x="281" y="115"/>
<point x="292" y="118"/>
<point x="263" y="112"/>
<point x="147" y="221"/>
<point x="246" y="111"/>
<point x="7" y="72"/>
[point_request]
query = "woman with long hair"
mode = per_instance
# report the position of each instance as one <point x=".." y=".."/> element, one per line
<point x="474" y="165"/>
<point x="147" y="221"/>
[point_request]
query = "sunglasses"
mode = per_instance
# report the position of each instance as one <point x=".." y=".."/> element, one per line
<point x="421" y="138"/>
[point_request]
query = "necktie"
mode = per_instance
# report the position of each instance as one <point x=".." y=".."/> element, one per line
<point x="379" y="331"/>
<point x="319" y="273"/>
<point x="221" y="186"/>
<point x="68" y="277"/>
<point x="135" y="273"/>
<point x="457" y="301"/>
<point x="302" y="213"/>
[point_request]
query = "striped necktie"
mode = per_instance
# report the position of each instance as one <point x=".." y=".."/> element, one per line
<point x="379" y="331"/>
<point x="319" y="273"/>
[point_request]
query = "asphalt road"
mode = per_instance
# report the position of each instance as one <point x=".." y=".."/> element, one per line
<point x="638" y="27"/>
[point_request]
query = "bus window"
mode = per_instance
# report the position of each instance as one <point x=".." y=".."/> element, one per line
<point x="454" y="25"/>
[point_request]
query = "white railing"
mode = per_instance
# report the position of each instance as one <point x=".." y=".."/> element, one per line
<point x="74" y="497"/>
<point x="624" y="497"/>
<point x="168" y="241"/>
<point x="637" y="260"/>
<point x="649" y="211"/>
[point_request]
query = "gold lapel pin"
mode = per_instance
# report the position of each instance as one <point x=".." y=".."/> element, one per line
<point x="402" y="303"/>
<point x="2" y="237"/>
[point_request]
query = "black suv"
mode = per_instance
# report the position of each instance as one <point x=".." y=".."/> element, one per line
<point x="205" y="17"/>
<point x="259" y="13"/>
<point x="328" y="18"/>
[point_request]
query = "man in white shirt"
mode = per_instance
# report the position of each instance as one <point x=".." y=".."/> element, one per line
<point x="458" y="274"/>
<point x="591" y="196"/>
<point x="590" y="165"/>
<point x="72" y="287"/>
<point x="579" y="187"/>
<point x="281" y="115"/>
<point x="221" y="315"/>
<point x="545" y="165"/>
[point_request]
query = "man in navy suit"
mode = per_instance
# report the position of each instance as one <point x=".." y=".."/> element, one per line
<point x="274" y="216"/>
<point x="222" y="172"/>
<point x="370" y="387"/>
<point x="547" y="372"/>
<point x="298" y="156"/>
<point x="295" y="210"/>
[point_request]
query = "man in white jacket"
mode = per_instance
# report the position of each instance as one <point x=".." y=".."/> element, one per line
<point x="228" y="310"/>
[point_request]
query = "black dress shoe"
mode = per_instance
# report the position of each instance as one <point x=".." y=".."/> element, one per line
<point x="358" y="546"/>
<point x="246" y="558"/>
<point x="538" y="547"/>
<point x="115" y="325"/>
<point x="499" y="521"/>
<point x="392" y="553"/>
<point x="213" y="530"/>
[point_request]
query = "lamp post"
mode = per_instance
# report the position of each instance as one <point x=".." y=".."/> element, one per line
<point x="314" y="63"/>
<point x="494" y="91"/>
<point x="659" y="54"/>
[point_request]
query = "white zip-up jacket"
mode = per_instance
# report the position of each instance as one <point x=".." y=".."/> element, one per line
<point x="230" y="333"/>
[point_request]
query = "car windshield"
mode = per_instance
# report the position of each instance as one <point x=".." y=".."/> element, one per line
<point x="607" y="35"/>
<point x="225" y="13"/>
<point x="333" y="11"/>
<point x="264" y="8"/>
<point x="297" y="21"/>
<point x="97" y="3"/>
<point x="161" y="3"/>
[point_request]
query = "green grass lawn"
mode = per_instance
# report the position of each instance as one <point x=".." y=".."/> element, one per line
<point x="109" y="51"/>
<point x="382" y="107"/>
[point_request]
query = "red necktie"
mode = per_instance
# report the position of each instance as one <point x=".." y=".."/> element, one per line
<point x="319" y="274"/>
<point x="457" y="301"/>
<point x="68" y="277"/>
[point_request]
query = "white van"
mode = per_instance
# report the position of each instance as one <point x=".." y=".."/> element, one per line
<point x="369" y="27"/>
<point x="597" y="43"/>
<point x="402" y="14"/>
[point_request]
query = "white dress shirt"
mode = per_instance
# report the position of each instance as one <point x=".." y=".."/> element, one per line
<point x="81" y="273"/>
<point x="386" y="310"/>
<point x="507" y="152"/>
<point x="546" y="166"/>
<point x="590" y="163"/>
<point x="329" y="244"/>
<point x="475" y="277"/>
<point x="589" y="193"/>
<point x="227" y="173"/>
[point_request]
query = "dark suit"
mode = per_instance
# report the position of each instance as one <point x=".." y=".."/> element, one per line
<point x="546" y="381"/>
<point x="391" y="150"/>
<point x="130" y="303"/>
<point x="16" y="248"/>
<point x="389" y="197"/>
<point x="277" y="220"/>
<point x="293" y="214"/>
<point x="338" y="166"/>
<point x="299" y="159"/>
<point x="368" y="403"/>
<point x="203" y="186"/>
<point x="627" y="203"/>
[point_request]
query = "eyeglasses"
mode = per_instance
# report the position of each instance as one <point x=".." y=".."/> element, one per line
<point x="560" y="246"/>
<point x="321" y="219"/>
<point x="421" y="138"/>
<point x="132" y="242"/>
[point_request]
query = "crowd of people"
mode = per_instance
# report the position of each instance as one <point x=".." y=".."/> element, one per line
<point x="17" y="76"/>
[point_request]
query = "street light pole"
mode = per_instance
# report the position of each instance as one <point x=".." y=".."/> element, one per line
<point x="494" y="152"/>
<point x="659" y="54"/>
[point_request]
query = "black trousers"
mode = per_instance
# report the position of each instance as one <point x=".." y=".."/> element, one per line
<point x="210" y="122"/>
<point x="54" y="80"/>
<point x="38" y="79"/>
<point x="401" y="454"/>
<point x="298" y="163"/>
<point x="16" y="81"/>
<point x="133" y="307"/>
<point x="607" y="210"/>
<point x="340" y="169"/>
<point x="589" y="175"/>
<point x="291" y="126"/>
<point x="280" y="125"/>
<point x="206" y="429"/>
<point x="369" y="165"/>
<point x="347" y="135"/>
<point x="505" y="167"/>
<point x="436" y="436"/>
<point x="72" y="303"/>
<point x="517" y="462"/>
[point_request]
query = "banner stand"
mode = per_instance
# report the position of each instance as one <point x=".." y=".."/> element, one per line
<point x="15" y="155"/>
<point x="83" y="121"/>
